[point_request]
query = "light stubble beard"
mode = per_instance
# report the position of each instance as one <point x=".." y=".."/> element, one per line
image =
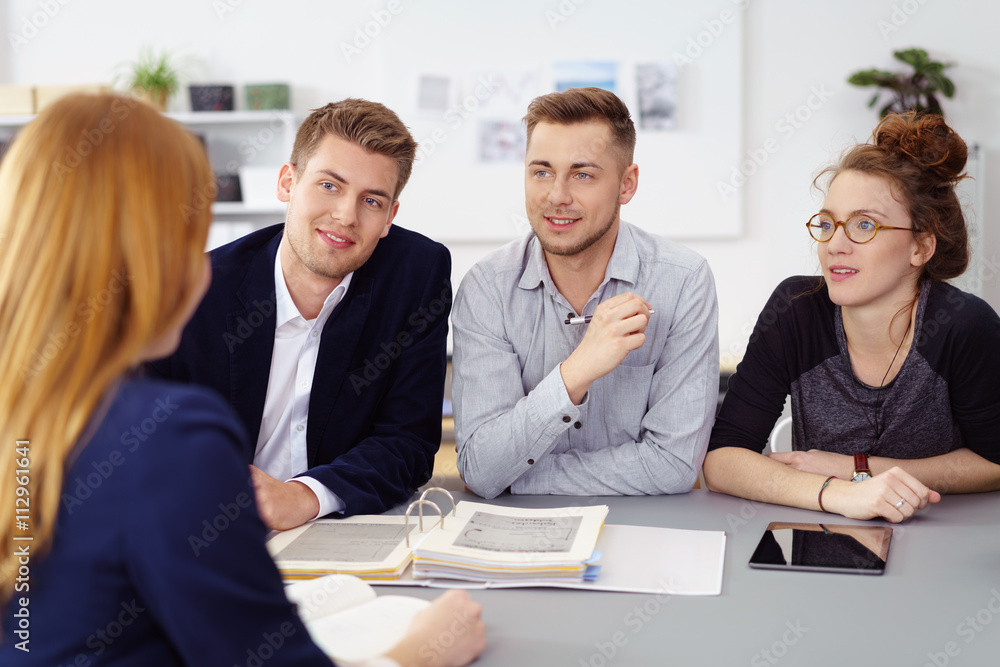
<point x="309" y="259"/>
<point x="582" y="245"/>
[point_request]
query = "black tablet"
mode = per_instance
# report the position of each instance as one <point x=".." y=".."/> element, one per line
<point x="823" y="547"/>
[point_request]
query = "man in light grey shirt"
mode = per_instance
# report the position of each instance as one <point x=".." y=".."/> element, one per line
<point x="622" y="404"/>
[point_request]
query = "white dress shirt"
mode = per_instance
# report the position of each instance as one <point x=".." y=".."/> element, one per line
<point x="281" y="444"/>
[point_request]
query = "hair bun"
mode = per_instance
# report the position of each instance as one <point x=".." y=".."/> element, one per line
<point x="925" y="140"/>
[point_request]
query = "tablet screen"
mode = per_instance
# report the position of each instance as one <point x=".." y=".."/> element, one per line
<point x="823" y="547"/>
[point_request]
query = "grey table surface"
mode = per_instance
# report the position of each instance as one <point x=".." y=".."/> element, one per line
<point x="937" y="604"/>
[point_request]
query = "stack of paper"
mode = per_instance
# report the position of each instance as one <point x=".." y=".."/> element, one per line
<point x="490" y="543"/>
<point x="370" y="547"/>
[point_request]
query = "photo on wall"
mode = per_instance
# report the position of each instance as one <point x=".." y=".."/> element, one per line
<point x="656" y="86"/>
<point x="585" y="75"/>
<point x="435" y="94"/>
<point x="501" y="141"/>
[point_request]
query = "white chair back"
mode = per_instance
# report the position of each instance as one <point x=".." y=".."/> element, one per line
<point x="778" y="442"/>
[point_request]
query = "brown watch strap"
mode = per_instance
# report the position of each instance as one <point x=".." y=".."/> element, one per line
<point x="861" y="464"/>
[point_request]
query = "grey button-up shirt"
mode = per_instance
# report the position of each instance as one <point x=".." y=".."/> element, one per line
<point x="641" y="429"/>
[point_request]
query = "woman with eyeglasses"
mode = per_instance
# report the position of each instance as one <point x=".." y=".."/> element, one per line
<point x="894" y="374"/>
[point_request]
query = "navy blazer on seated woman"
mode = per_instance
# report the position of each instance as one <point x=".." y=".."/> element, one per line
<point x="157" y="532"/>
<point x="375" y="405"/>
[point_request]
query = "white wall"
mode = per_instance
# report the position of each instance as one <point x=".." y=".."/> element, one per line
<point x="795" y="54"/>
<point x="795" y="47"/>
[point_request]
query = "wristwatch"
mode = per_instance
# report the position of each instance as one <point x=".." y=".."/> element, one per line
<point x="861" y="470"/>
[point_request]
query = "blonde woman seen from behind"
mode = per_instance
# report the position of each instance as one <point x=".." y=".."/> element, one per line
<point x="104" y="210"/>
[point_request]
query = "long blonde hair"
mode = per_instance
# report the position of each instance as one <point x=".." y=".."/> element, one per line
<point x="104" y="211"/>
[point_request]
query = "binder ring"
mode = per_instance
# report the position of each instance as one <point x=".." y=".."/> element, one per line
<point x="454" y="511"/>
<point x="419" y="504"/>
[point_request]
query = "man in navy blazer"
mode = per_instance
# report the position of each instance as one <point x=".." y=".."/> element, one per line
<point x="327" y="334"/>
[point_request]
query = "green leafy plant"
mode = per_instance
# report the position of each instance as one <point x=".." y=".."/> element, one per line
<point x="153" y="76"/>
<point x="916" y="91"/>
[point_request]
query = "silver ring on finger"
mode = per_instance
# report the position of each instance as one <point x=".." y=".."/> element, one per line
<point x="900" y="503"/>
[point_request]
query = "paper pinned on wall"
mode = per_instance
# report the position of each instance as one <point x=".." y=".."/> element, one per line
<point x="585" y="75"/>
<point x="506" y="93"/>
<point x="656" y="84"/>
<point x="501" y="141"/>
<point x="434" y="94"/>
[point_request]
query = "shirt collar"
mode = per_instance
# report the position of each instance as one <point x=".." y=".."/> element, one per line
<point x="285" y="310"/>
<point x="623" y="265"/>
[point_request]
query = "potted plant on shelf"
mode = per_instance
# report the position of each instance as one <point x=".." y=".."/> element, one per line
<point x="153" y="78"/>
<point x="916" y="91"/>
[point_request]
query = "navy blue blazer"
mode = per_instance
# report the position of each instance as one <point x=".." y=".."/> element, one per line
<point x="375" y="405"/>
<point x="158" y="555"/>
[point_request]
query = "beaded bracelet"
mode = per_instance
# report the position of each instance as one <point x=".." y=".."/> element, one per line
<point x="821" y="489"/>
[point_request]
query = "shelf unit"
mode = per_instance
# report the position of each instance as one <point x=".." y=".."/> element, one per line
<point x="234" y="140"/>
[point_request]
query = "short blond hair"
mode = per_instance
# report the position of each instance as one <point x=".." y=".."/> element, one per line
<point x="372" y="126"/>
<point x="580" y="105"/>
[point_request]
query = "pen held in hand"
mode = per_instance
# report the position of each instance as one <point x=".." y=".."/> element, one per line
<point x="586" y="319"/>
